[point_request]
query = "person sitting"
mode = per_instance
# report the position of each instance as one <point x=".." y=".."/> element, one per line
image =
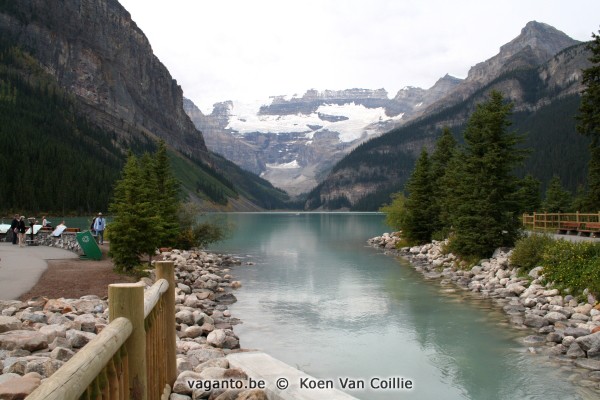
<point x="46" y="223"/>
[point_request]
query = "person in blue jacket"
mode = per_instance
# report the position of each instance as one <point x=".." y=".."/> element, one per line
<point x="99" y="227"/>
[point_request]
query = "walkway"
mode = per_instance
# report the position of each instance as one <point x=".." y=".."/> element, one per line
<point x="22" y="267"/>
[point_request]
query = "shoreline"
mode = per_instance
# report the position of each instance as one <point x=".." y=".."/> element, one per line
<point x="563" y="330"/>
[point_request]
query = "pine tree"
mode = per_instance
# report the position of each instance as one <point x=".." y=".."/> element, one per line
<point x="445" y="149"/>
<point x="528" y="194"/>
<point x="485" y="213"/>
<point x="167" y="197"/>
<point x="129" y="209"/>
<point x="589" y="121"/>
<point x="417" y="226"/>
<point x="557" y="199"/>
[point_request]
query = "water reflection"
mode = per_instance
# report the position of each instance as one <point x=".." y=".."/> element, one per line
<point x="319" y="299"/>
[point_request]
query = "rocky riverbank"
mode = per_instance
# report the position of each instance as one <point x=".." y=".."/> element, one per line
<point x="39" y="335"/>
<point x="565" y="330"/>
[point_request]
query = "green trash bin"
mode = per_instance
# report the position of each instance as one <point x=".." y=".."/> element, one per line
<point x="88" y="245"/>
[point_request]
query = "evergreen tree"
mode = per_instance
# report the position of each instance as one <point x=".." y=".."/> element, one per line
<point x="557" y="199"/>
<point x="485" y="213"/>
<point x="417" y="226"/>
<point x="167" y="197"/>
<point x="528" y="194"/>
<point x="589" y="121"/>
<point x="580" y="201"/>
<point x="445" y="149"/>
<point x="132" y="218"/>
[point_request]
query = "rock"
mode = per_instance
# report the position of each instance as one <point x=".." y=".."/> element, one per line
<point x="34" y="317"/>
<point x="206" y="353"/>
<point x="78" y="339"/>
<point x="589" y="342"/>
<point x="533" y="340"/>
<point x="516" y="288"/>
<point x="87" y="322"/>
<point x="184" y="317"/>
<point x="575" y="351"/>
<point x="216" y="338"/>
<point x="45" y="366"/>
<point x="175" y="396"/>
<point x="53" y="331"/>
<point x="213" y="373"/>
<point x="193" y="332"/>
<point x="576" y="332"/>
<point x="21" y="339"/>
<point x="254" y="394"/>
<point x="10" y="324"/>
<point x="183" y="364"/>
<point x="181" y="385"/>
<point x="19" y="388"/>
<point x="57" y="306"/>
<point x="535" y="272"/>
<point x="554" y="337"/>
<point x="584" y="309"/>
<point x="535" y="321"/>
<point x="586" y="363"/>
<point x="62" y="354"/>
<point x="215" y="362"/>
<point x="555" y="316"/>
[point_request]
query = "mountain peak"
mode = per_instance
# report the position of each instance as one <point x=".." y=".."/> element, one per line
<point x="536" y="43"/>
<point x="541" y="37"/>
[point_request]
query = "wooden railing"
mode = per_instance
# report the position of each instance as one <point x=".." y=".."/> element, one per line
<point x="134" y="355"/>
<point x="562" y="222"/>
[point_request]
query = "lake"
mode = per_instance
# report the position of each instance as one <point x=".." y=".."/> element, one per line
<point x="318" y="298"/>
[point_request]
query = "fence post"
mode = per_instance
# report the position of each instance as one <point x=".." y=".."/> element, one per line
<point x="534" y="220"/>
<point x="165" y="270"/>
<point x="127" y="300"/>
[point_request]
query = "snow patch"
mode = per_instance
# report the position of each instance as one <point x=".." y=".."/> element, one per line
<point x="244" y="119"/>
<point x="291" y="165"/>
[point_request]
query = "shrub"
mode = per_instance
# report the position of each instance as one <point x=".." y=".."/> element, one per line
<point x="529" y="251"/>
<point x="573" y="267"/>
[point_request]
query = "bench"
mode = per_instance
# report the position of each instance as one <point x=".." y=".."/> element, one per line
<point x="590" y="229"/>
<point x="565" y="228"/>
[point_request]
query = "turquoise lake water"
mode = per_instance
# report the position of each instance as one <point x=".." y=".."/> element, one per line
<point x="321" y="300"/>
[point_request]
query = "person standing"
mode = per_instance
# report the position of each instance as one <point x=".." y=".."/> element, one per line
<point x="22" y="229"/>
<point x="14" y="225"/>
<point x="99" y="226"/>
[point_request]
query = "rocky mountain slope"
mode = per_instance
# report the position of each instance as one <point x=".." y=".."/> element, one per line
<point x="96" y="53"/>
<point x="539" y="71"/>
<point x="294" y="142"/>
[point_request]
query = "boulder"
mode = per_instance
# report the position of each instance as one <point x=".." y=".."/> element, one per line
<point x="19" y="388"/>
<point x="589" y="342"/>
<point x="21" y="339"/>
<point x="10" y="324"/>
<point x="216" y="338"/>
<point x="555" y="316"/>
<point x="78" y="339"/>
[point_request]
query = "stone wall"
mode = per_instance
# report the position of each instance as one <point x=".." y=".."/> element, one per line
<point x="66" y="241"/>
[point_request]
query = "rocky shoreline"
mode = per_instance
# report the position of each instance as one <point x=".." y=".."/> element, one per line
<point x="565" y="330"/>
<point x="40" y="335"/>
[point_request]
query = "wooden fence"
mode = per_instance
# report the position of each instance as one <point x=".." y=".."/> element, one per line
<point x="575" y="223"/>
<point x="134" y="355"/>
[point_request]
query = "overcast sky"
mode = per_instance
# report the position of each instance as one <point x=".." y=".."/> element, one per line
<point x="247" y="50"/>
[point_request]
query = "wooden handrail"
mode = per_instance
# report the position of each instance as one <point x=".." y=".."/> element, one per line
<point x="152" y="295"/>
<point x="134" y="357"/>
<point x="73" y="378"/>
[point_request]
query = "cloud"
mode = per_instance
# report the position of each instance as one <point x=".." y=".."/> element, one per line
<point x="239" y="49"/>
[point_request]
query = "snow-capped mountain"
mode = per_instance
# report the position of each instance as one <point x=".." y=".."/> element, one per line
<point x="294" y="141"/>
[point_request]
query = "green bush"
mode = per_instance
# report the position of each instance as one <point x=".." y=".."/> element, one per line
<point x="529" y="251"/>
<point x="573" y="267"/>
